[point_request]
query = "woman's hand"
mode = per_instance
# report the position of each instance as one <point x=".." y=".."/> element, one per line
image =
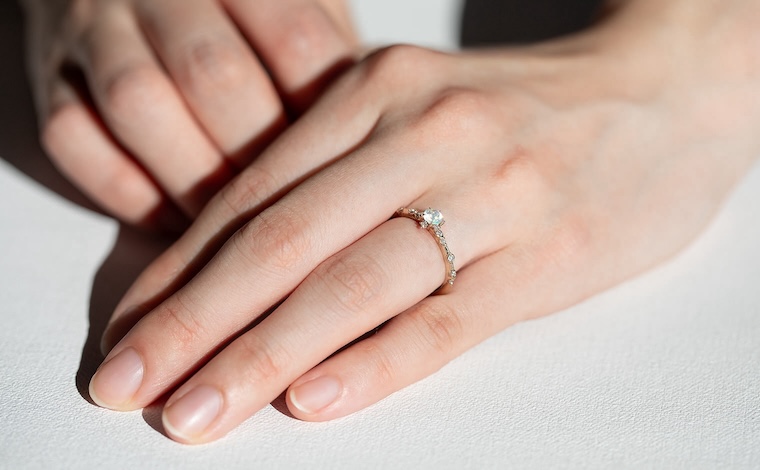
<point x="561" y="170"/>
<point x="145" y="99"/>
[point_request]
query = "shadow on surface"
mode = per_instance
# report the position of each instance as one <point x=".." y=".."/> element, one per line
<point x="131" y="253"/>
<point x="19" y="146"/>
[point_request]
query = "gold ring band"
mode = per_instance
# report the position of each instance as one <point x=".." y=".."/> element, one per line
<point x="432" y="220"/>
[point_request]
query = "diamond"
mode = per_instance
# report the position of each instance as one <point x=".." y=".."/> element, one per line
<point x="433" y="217"/>
<point x="450" y="258"/>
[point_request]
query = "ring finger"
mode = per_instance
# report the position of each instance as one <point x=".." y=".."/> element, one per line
<point x="384" y="273"/>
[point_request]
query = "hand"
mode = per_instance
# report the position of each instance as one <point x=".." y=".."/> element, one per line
<point x="145" y="99"/>
<point x="562" y="169"/>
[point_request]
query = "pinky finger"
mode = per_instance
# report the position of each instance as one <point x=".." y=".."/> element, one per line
<point x="83" y="150"/>
<point x="409" y="348"/>
<point x="413" y="345"/>
<point x="495" y="292"/>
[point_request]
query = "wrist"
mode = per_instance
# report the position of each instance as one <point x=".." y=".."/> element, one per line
<point x="725" y="31"/>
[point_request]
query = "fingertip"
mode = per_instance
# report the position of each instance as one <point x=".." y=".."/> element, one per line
<point x="310" y="399"/>
<point x="189" y="418"/>
<point x="116" y="382"/>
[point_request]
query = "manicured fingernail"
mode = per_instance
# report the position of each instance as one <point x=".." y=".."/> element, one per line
<point x="117" y="381"/>
<point x="311" y="397"/>
<point x="189" y="416"/>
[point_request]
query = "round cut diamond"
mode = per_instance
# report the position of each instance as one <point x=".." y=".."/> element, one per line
<point x="433" y="217"/>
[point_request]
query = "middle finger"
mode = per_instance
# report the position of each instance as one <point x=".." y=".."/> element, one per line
<point x="346" y="296"/>
<point x="224" y="84"/>
<point x="260" y="265"/>
<point x="301" y="151"/>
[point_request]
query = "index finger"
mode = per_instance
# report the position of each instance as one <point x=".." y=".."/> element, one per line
<point x="299" y="152"/>
<point x="262" y="263"/>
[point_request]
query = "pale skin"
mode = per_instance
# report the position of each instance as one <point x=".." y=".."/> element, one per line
<point x="562" y="169"/>
<point x="178" y="95"/>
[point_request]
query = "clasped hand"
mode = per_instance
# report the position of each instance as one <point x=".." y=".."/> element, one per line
<point x="150" y="107"/>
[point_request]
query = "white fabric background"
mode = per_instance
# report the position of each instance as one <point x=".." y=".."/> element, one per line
<point x="662" y="372"/>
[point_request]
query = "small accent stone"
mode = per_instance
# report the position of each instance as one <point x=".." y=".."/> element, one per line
<point x="433" y="217"/>
<point x="450" y="257"/>
<point x="453" y="274"/>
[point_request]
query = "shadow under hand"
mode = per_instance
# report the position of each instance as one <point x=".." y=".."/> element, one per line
<point x="131" y="253"/>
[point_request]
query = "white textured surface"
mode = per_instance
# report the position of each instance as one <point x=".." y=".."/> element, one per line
<point x="662" y="372"/>
<point x="431" y="23"/>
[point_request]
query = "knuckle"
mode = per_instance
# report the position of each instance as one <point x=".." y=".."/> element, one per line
<point x="261" y="362"/>
<point x="209" y="65"/>
<point x="459" y="113"/>
<point x="439" y="326"/>
<point x="249" y="189"/>
<point x="353" y="282"/>
<point x="516" y="164"/>
<point x="384" y="367"/>
<point x="275" y="239"/>
<point x="134" y="91"/>
<point x="182" y="325"/>
<point x="394" y="63"/>
<point x="166" y="270"/>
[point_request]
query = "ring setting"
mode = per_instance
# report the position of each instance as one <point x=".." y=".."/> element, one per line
<point x="432" y="220"/>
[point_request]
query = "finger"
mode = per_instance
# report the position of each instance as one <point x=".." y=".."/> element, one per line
<point x="83" y="150"/>
<point x="226" y="87"/>
<point x="491" y="294"/>
<point x="300" y="41"/>
<point x="299" y="152"/>
<point x="146" y="113"/>
<point x="260" y="265"/>
<point x="416" y="343"/>
<point x="346" y="296"/>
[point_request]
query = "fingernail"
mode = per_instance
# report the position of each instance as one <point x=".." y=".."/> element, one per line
<point x="313" y="396"/>
<point x="117" y="381"/>
<point x="189" y="416"/>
